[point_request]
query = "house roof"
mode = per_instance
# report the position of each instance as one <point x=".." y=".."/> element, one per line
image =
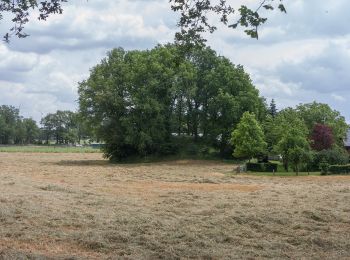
<point x="347" y="140"/>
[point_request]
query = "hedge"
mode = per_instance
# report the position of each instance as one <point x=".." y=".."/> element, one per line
<point x="262" y="167"/>
<point x="339" y="169"/>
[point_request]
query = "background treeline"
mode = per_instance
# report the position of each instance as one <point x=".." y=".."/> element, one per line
<point x="309" y="137"/>
<point x="166" y="101"/>
<point x="62" y="127"/>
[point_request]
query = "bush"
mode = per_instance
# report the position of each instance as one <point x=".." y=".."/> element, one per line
<point x="335" y="156"/>
<point x="339" y="169"/>
<point x="262" y="167"/>
<point x="324" y="167"/>
<point x="168" y="149"/>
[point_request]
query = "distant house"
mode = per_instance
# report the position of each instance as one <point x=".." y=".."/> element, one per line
<point x="347" y="141"/>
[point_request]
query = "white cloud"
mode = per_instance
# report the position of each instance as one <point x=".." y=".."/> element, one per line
<point x="300" y="57"/>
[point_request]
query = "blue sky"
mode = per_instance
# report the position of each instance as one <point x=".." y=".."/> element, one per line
<point x="300" y="57"/>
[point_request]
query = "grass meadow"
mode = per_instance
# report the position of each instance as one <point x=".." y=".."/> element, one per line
<point x="47" y="149"/>
<point x="79" y="206"/>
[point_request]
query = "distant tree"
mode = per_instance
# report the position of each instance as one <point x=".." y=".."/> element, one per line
<point x="11" y="128"/>
<point x="299" y="156"/>
<point x="14" y="129"/>
<point x="321" y="137"/>
<point x="248" y="138"/>
<point x="31" y="130"/>
<point x="318" y="113"/>
<point x="276" y="127"/>
<point x="272" y="109"/>
<point x="294" y="148"/>
<point x="62" y="126"/>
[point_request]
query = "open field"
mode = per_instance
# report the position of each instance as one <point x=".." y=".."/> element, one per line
<point x="47" y="149"/>
<point x="78" y="206"/>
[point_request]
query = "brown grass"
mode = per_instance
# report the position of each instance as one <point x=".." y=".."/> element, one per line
<point x="78" y="206"/>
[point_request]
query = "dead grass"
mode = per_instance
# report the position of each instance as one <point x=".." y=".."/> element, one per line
<point x="78" y="206"/>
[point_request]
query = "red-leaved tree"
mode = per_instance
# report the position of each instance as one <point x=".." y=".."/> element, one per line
<point x="322" y="137"/>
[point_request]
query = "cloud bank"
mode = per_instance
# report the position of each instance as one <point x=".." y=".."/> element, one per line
<point x="300" y="57"/>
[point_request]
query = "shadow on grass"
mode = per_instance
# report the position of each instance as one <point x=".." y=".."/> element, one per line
<point x="132" y="164"/>
<point x="80" y="163"/>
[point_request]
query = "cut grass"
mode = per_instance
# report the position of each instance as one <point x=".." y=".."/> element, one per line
<point x="79" y="206"/>
<point x="47" y="149"/>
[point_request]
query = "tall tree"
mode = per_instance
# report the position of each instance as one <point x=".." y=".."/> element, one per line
<point x="248" y="138"/>
<point x="138" y="101"/>
<point x="273" y="109"/>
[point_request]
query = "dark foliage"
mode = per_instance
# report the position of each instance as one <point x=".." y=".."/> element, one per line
<point x="339" y="169"/>
<point x="139" y="102"/>
<point x="321" y="137"/>
<point x="262" y="167"/>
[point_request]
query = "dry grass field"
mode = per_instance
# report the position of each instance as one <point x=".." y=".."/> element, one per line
<point x="78" y="206"/>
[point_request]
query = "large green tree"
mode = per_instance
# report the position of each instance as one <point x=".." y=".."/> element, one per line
<point x="138" y="101"/>
<point x="248" y="138"/>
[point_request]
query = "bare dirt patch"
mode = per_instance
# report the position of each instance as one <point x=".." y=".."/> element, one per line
<point x="78" y="206"/>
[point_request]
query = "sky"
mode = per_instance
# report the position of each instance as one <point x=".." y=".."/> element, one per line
<point x="302" y="56"/>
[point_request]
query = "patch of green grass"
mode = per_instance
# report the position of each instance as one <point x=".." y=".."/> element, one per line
<point x="284" y="174"/>
<point x="47" y="149"/>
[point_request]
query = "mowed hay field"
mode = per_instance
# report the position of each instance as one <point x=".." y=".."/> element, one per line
<point x="78" y="206"/>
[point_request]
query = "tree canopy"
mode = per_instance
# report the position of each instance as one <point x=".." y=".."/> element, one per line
<point x="14" y="129"/>
<point x="20" y="11"/>
<point x="66" y="127"/>
<point x="140" y="101"/>
<point x="194" y="17"/>
<point x="248" y="138"/>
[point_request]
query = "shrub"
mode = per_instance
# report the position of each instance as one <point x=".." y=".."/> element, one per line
<point x="262" y="167"/>
<point x="339" y="169"/>
<point x="168" y="149"/>
<point x="335" y="156"/>
<point x="324" y="167"/>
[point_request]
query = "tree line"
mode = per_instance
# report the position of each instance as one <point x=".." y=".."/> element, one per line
<point x="156" y="102"/>
<point x="61" y="127"/>
<point x="307" y="137"/>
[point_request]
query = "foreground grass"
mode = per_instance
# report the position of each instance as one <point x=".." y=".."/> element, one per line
<point x="79" y="206"/>
<point x="47" y="149"/>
